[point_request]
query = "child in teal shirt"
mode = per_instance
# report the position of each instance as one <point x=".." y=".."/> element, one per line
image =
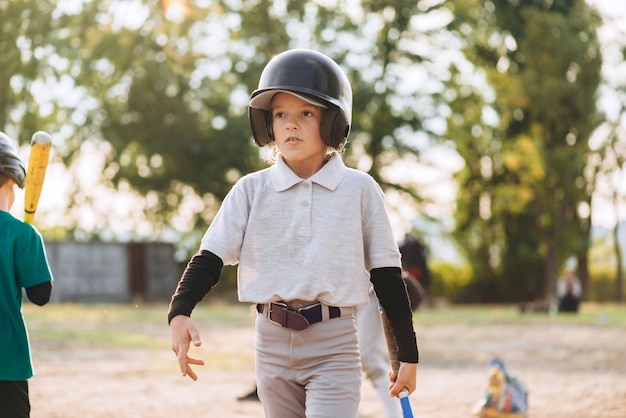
<point x="23" y="265"/>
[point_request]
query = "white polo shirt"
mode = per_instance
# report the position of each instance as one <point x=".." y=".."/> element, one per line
<point x="312" y="239"/>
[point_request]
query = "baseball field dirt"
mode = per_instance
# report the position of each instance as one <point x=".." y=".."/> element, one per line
<point x="115" y="362"/>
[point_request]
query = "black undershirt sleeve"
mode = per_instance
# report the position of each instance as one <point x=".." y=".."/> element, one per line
<point x="202" y="273"/>
<point x="394" y="300"/>
<point x="40" y="293"/>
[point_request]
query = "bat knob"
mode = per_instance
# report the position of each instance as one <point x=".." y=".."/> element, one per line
<point x="41" y="137"/>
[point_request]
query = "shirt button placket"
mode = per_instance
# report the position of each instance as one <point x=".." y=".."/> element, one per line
<point x="307" y="195"/>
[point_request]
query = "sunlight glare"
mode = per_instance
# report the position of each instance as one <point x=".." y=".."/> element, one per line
<point x="175" y="10"/>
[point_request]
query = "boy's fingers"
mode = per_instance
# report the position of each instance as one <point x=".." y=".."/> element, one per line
<point x="395" y="389"/>
<point x="400" y="382"/>
<point x="392" y="384"/>
<point x="184" y="333"/>
<point x="182" y="360"/>
<point x="192" y="375"/>
<point x="194" y="335"/>
<point x="187" y="370"/>
<point x="195" y="361"/>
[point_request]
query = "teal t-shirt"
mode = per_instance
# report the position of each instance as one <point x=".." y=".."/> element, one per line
<point x="23" y="263"/>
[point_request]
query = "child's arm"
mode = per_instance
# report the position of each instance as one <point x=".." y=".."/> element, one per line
<point x="40" y="293"/>
<point x="201" y="274"/>
<point x="391" y="293"/>
<point x="183" y="332"/>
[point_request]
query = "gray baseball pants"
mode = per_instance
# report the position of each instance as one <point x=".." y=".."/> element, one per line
<point x="312" y="373"/>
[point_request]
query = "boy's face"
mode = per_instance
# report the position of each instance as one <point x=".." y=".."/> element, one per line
<point x="296" y="126"/>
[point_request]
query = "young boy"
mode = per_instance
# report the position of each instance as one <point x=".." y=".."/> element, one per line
<point x="23" y="264"/>
<point x="308" y="235"/>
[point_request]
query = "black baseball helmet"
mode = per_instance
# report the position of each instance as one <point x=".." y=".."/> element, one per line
<point x="10" y="163"/>
<point x="313" y="77"/>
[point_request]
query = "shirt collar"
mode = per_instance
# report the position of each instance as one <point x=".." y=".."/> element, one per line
<point x="329" y="176"/>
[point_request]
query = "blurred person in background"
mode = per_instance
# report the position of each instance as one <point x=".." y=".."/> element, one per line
<point x="569" y="292"/>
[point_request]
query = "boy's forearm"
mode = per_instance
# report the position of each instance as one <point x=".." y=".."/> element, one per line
<point x="391" y="293"/>
<point x="201" y="274"/>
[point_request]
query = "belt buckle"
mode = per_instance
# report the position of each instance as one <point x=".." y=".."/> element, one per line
<point x="282" y="306"/>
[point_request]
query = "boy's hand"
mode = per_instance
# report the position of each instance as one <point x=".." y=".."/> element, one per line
<point x="405" y="378"/>
<point x="183" y="331"/>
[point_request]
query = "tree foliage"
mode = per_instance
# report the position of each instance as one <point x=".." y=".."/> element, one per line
<point x="608" y="163"/>
<point x="523" y="132"/>
<point x="166" y="99"/>
<point x="29" y="37"/>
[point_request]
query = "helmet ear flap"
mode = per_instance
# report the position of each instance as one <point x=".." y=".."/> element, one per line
<point x="261" y="126"/>
<point x="268" y="125"/>
<point x="335" y="128"/>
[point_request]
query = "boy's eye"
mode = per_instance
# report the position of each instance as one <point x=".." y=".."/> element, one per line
<point x="307" y="113"/>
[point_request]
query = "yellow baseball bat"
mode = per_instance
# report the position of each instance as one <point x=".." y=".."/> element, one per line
<point x="36" y="172"/>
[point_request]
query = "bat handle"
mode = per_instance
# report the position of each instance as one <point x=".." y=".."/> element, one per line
<point x="407" y="411"/>
<point x="392" y="348"/>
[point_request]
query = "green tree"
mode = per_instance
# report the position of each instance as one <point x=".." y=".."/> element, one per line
<point x="523" y="131"/>
<point x="166" y="100"/>
<point x="32" y="40"/>
<point x="608" y="165"/>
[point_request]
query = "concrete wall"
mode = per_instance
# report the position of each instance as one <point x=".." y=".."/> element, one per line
<point x="98" y="272"/>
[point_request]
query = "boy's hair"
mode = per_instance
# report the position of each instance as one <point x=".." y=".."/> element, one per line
<point x="4" y="178"/>
<point x="312" y="76"/>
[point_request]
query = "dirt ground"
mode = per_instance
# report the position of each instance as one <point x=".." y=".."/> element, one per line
<point x="570" y="370"/>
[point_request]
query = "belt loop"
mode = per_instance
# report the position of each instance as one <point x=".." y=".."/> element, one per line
<point x="325" y="312"/>
<point x="335" y="312"/>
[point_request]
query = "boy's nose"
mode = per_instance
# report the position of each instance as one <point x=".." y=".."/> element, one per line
<point x="292" y="123"/>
